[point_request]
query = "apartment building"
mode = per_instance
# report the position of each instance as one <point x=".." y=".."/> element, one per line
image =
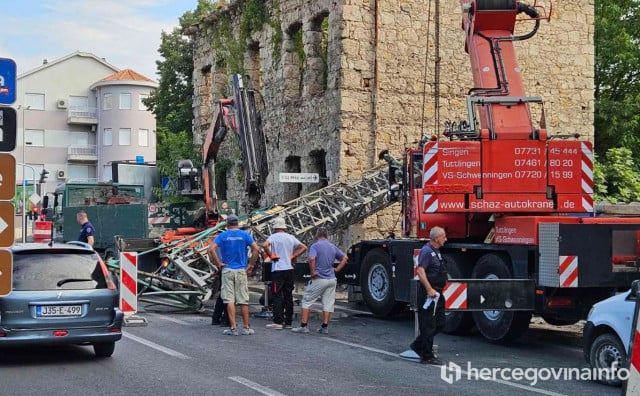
<point x="77" y="115"/>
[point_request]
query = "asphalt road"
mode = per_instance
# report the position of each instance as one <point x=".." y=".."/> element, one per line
<point x="178" y="353"/>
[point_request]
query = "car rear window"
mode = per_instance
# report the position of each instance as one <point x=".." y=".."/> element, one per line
<point x="57" y="270"/>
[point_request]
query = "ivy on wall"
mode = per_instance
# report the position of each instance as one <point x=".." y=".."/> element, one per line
<point x="230" y="46"/>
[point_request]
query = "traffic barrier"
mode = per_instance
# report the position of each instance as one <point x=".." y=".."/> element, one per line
<point x="632" y="385"/>
<point x="42" y="231"/>
<point x="129" y="288"/>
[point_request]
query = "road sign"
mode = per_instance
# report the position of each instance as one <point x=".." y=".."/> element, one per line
<point x="7" y="177"/>
<point x="299" y="178"/>
<point x="8" y="129"/>
<point x="7" y="216"/>
<point x="34" y="198"/>
<point x="7" y="81"/>
<point x="6" y="272"/>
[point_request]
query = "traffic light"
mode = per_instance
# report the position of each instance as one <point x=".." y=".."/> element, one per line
<point x="33" y="214"/>
<point x="43" y="175"/>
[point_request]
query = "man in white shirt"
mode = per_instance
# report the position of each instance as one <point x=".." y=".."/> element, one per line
<point x="283" y="248"/>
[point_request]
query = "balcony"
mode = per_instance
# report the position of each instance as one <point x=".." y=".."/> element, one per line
<point x="81" y="115"/>
<point x="82" y="154"/>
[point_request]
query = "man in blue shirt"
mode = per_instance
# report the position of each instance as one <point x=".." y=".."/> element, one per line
<point x="232" y="259"/>
<point x="323" y="281"/>
<point x="87" y="231"/>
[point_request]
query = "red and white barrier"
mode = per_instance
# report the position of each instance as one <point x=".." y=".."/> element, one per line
<point x="568" y="270"/>
<point x="42" y="231"/>
<point x="455" y="294"/>
<point x="129" y="283"/>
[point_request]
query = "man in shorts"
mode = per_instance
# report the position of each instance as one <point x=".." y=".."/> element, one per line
<point x="232" y="259"/>
<point x="323" y="281"/>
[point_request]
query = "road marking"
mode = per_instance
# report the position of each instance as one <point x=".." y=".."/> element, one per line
<point x="464" y="373"/>
<point x="168" y="318"/>
<point x="362" y="347"/>
<point x="155" y="346"/>
<point x="256" y="387"/>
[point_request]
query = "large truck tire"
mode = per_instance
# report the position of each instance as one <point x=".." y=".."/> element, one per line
<point x="457" y="322"/>
<point x="377" y="284"/>
<point x="498" y="326"/>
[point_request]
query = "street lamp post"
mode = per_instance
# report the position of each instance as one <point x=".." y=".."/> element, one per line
<point x="24" y="199"/>
<point x="24" y="184"/>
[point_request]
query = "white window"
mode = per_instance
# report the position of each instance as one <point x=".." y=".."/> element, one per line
<point x="79" y="139"/>
<point x="79" y="103"/>
<point x="141" y="97"/>
<point x="107" y="173"/>
<point x="107" y="103"/>
<point x="125" y="101"/>
<point x="107" y="137"/>
<point x="153" y="138"/>
<point x="34" y="101"/>
<point x="34" y="137"/>
<point x="78" y="172"/>
<point x="143" y="137"/>
<point x="124" y="137"/>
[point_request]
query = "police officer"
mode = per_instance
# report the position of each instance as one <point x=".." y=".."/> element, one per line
<point x="432" y="277"/>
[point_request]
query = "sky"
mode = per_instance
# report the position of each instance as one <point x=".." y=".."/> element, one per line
<point x="124" y="32"/>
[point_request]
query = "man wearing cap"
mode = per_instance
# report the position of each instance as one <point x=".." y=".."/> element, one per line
<point x="232" y="259"/>
<point x="283" y="249"/>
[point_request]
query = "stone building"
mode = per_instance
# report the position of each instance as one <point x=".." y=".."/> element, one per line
<point x="342" y="80"/>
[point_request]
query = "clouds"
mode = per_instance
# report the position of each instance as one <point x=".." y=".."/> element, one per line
<point x="125" y="33"/>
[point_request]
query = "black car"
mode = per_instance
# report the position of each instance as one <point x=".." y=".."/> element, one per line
<point x="62" y="294"/>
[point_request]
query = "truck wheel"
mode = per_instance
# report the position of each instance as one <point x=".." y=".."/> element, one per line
<point x="377" y="283"/>
<point x="607" y="353"/>
<point x="457" y="322"/>
<point x="498" y="326"/>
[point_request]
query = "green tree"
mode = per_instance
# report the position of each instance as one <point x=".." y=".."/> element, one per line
<point x="172" y="101"/>
<point x="617" y="75"/>
<point x="617" y="179"/>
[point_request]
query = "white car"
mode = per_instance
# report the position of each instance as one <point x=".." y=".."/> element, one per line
<point x="606" y="334"/>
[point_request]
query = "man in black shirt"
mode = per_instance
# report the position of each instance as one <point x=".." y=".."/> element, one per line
<point x="432" y="277"/>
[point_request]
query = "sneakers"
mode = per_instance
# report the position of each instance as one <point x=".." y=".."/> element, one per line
<point x="288" y="326"/>
<point x="231" y="332"/>
<point x="323" y="330"/>
<point x="304" y="330"/>
<point x="276" y="326"/>
<point x="434" y="361"/>
<point x="247" y="331"/>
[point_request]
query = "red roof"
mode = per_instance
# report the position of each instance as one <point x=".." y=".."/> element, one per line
<point x="126" y="75"/>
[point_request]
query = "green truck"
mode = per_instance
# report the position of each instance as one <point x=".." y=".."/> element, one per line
<point x="112" y="208"/>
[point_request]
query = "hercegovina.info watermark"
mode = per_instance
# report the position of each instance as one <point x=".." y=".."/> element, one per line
<point x="452" y="372"/>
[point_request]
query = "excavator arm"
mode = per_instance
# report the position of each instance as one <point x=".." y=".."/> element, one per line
<point x="239" y="116"/>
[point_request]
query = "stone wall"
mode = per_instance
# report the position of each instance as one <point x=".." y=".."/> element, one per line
<point x="375" y="95"/>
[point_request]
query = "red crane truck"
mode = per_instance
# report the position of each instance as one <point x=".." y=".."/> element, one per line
<point x="517" y="204"/>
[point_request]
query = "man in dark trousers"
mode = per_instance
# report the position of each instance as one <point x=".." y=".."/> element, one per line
<point x="283" y="249"/>
<point x="87" y="231"/>
<point x="432" y="277"/>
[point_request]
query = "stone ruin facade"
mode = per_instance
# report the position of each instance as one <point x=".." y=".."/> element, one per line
<point x="339" y="81"/>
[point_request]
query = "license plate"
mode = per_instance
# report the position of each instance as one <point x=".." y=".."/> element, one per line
<point x="59" y="310"/>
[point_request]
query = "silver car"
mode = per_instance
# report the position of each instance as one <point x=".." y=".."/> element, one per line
<point x="62" y="294"/>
